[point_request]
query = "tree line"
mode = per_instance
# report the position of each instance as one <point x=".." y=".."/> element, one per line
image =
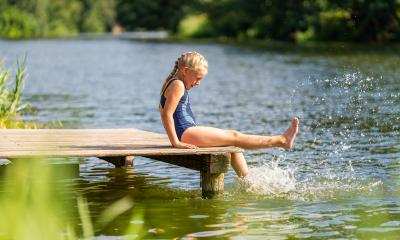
<point x="54" y="18"/>
<point x="289" y="20"/>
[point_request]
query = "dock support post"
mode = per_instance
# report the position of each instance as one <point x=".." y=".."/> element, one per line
<point x="212" y="184"/>
<point x="211" y="166"/>
<point x="120" y="162"/>
<point x="212" y="174"/>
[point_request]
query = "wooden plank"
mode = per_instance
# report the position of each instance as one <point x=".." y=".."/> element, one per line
<point x="92" y="142"/>
<point x="118" y="152"/>
<point x="193" y="162"/>
<point x="84" y="144"/>
<point x="73" y="132"/>
<point x="120" y="162"/>
<point x="211" y="163"/>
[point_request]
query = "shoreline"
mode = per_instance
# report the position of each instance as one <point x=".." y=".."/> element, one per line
<point x="265" y="44"/>
<point x="280" y="46"/>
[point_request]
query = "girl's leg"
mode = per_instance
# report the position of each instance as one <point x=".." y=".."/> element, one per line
<point x="239" y="164"/>
<point x="215" y="137"/>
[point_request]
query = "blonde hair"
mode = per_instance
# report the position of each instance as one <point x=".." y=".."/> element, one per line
<point x="192" y="60"/>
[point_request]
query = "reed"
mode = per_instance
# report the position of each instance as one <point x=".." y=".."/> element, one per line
<point x="35" y="203"/>
<point x="30" y="202"/>
<point x="11" y="106"/>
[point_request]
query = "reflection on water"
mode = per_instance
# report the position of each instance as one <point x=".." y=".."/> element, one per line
<point x="340" y="181"/>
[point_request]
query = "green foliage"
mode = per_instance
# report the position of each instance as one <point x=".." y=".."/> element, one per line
<point x="10" y="99"/>
<point x="64" y="17"/>
<point x="271" y="19"/>
<point x="357" y="20"/>
<point x="282" y="19"/>
<point x="36" y="8"/>
<point x="99" y="15"/>
<point x="16" y="23"/>
<point x="376" y="20"/>
<point x="334" y="25"/>
<point x="44" y="18"/>
<point x="150" y="15"/>
<point x="303" y="20"/>
<point x="30" y="203"/>
<point x="34" y="205"/>
<point x="236" y="17"/>
<point x="84" y="215"/>
<point x="195" y="26"/>
<point x="305" y="36"/>
<point x="290" y="20"/>
<point x="92" y="22"/>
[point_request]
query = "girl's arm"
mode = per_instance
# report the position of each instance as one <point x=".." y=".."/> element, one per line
<point x="173" y="94"/>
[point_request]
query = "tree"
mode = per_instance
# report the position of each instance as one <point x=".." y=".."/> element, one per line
<point x="99" y="15"/>
<point x="150" y="15"/>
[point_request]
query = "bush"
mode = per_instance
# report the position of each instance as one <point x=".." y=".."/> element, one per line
<point x="334" y="25"/>
<point x="195" y="26"/>
<point x="16" y="24"/>
<point x="92" y="21"/>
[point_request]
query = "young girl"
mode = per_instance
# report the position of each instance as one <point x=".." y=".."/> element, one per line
<point x="180" y="124"/>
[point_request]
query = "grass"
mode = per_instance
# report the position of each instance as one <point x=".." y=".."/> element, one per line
<point x="35" y="204"/>
<point x="11" y="106"/>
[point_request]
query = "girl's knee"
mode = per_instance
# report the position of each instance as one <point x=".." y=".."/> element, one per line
<point x="237" y="155"/>
<point x="234" y="135"/>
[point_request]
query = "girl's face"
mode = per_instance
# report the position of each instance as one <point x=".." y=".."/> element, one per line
<point x="192" y="78"/>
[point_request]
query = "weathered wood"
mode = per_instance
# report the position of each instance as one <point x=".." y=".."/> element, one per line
<point x="211" y="166"/>
<point x="212" y="184"/>
<point x="216" y="163"/>
<point x="211" y="163"/>
<point x="108" y="153"/>
<point x="212" y="174"/>
<point x="16" y="143"/>
<point x="129" y="161"/>
<point x="118" y="146"/>
<point x="120" y="162"/>
<point x="193" y="162"/>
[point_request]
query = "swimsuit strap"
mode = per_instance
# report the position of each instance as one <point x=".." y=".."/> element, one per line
<point x="170" y="81"/>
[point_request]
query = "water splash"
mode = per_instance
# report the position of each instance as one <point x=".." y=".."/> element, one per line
<point x="344" y="120"/>
<point x="269" y="179"/>
<point x="349" y="122"/>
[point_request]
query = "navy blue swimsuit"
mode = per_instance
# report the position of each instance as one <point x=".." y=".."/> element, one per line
<point x="183" y="115"/>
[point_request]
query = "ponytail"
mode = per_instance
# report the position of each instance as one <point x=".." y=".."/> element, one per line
<point x="170" y="76"/>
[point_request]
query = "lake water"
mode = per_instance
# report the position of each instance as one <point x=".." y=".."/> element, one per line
<point x="341" y="180"/>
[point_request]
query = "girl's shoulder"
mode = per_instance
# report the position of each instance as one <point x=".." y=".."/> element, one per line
<point x="177" y="83"/>
<point x="175" y="86"/>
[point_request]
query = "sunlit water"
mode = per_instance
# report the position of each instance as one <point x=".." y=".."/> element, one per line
<point x="341" y="180"/>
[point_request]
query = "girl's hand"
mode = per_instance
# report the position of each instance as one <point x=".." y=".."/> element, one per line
<point x="185" y="145"/>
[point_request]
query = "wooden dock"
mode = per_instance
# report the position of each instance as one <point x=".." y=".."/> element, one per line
<point x="119" y="147"/>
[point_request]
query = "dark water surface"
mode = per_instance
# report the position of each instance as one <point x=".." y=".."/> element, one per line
<point x="341" y="180"/>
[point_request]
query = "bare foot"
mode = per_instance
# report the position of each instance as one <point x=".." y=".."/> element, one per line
<point x="290" y="134"/>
